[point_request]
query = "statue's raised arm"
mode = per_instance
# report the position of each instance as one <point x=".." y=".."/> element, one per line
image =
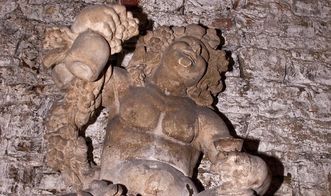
<point x="78" y="57"/>
<point x="83" y="50"/>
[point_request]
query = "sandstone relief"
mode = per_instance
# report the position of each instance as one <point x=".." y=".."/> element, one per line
<point x="161" y="109"/>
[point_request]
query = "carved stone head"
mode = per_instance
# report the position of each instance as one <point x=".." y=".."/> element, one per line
<point x="182" y="65"/>
<point x="185" y="59"/>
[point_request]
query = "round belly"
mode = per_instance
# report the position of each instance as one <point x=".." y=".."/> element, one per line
<point x="144" y="177"/>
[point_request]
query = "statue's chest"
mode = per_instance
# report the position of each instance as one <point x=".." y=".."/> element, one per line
<point x="154" y="113"/>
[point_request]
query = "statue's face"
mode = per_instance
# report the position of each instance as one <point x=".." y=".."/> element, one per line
<point x="185" y="59"/>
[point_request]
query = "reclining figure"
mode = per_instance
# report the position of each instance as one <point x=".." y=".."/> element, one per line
<point x="161" y="114"/>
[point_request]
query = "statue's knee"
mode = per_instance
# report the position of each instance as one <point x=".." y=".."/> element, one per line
<point x="243" y="171"/>
<point x="256" y="174"/>
<point x="262" y="175"/>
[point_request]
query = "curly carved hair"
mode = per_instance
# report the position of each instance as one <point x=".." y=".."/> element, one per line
<point x="151" y="47"/>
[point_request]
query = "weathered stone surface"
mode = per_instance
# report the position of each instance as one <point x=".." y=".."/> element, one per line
<point x="164" y="6"/>
<point x="6" y="7"/>
<point x="278" y="91"/>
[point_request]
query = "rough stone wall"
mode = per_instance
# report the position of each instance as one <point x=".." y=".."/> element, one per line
<point x="277" y="96"/>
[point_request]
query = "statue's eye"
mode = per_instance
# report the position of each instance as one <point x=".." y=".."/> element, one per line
<point x="185" y="61"/>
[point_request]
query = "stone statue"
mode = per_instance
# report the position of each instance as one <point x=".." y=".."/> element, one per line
<point x="161" y="117"/>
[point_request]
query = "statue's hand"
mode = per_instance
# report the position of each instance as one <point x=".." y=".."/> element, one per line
<point x="228" y="144"/>
<point x="101" y="30"/>
<point x="88" y="56"/>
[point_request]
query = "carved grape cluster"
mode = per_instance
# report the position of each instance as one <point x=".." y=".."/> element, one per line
<point x="67" y="149"/>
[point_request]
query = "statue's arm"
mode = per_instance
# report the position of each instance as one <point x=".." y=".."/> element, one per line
<point x="115" y="87"/>
<point x="78" y="58"/>
<point x="67" y="147"/>
<point x="241" y="173"/>
<point x="213" y="135"/>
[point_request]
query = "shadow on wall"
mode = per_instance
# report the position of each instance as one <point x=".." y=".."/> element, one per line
<point x="251" y="146"/>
